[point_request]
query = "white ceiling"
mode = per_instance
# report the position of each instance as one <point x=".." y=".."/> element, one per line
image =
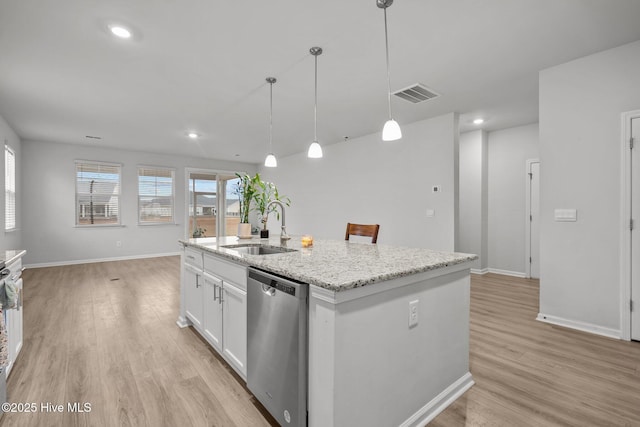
<point x="201" y="65"/>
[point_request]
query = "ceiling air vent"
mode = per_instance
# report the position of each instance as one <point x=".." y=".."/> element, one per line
<point x="416" y="93"/>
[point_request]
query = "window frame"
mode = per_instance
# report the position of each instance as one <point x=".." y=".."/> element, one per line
<point x="119" y="194"/>
<point x="173" y="195"/>
<point x="10" y="151"/>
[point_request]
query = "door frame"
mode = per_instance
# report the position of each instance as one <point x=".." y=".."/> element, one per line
<point x="527" y="237"/>
<point x="625" y="218"/>
<point x="217" y="172"/>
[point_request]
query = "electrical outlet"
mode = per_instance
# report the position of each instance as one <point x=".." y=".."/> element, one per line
<point x="436" y="189"/>
<point x="118" y="243"/>
<point x="413" y="313"/>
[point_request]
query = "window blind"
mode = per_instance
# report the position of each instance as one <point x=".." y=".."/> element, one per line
<point x="9" y="188"/>
<point x="97" y="193"/>
<point x="155" y="195"/>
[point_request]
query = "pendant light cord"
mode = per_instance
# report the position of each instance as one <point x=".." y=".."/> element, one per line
<point x="315" y="106"/>
<point x="386" y="41"/>
<point x="271" y="118"/>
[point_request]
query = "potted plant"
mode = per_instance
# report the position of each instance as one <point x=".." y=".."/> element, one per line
<point x="267" y="192"/>
<point x="245" y="190"/>
<point x="199" y="232"/>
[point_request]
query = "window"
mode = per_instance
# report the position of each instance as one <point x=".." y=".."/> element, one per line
<point x="155" y="195"/>
<point x="9" y="189"/>
<point x="97" y="193"/>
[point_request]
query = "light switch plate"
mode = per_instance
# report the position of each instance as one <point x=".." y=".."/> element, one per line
<point x="431" y="213"/>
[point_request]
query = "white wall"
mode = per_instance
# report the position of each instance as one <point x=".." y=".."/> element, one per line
<point x="369" y="181"/>
<point x="509" y="149"/>
<point x="580" y="153"/>
<point x="473" y="226"/>
<point x="50" y="235"/>
<point x="11" y="239"/>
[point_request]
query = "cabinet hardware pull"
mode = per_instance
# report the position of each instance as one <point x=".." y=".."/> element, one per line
<point x="197" y="281"/>
<point x="214" y="291"/>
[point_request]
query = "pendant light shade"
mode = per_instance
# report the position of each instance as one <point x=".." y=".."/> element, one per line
<point x="391" y="130"/>
<point x="270" y="161"/>
<point x="315" y="150"/>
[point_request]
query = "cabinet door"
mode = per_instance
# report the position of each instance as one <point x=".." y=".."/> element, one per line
<point x="212" y="316"/>
<point x="235" y="326"/>
<point x="193" y="295"/>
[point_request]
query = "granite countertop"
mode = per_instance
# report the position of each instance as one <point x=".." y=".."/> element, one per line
<point x="336" y="265"/>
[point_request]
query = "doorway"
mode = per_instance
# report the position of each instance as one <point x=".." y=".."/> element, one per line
<point x="532" y="219"/>
<point x="212" y="204"/>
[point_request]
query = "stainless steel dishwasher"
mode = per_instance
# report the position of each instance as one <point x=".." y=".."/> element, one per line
<point x="277" y="312"/>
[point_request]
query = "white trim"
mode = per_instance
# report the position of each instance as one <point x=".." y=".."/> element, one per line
<point x="90" y="261"/>
<point x="527" y="227"/>
<point x="183" y="322"/>
<point x="508" y="273"/>
<point x="439" y="403"/>
<point x="335" y="297"/>
<point x="479" y="271"/>
<point x="580" y="326"/>
<point x="625" y="217"/>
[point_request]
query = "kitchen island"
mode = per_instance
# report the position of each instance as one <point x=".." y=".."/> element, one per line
<point x="388" y="326"/>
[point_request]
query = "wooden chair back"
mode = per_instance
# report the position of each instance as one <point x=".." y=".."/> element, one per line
<point x="367" y="230"/>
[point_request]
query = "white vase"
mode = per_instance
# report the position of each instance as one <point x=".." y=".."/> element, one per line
<point x="244" y="230"/>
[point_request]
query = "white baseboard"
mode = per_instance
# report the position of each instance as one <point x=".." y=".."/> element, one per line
<point x="439" y="403"/>
<point x="90" y="261"/>
<point x="580" y="326"/>
<point x="182" y="322"/>
<point x="479" y="271"/>
<point x="507" y="272"/>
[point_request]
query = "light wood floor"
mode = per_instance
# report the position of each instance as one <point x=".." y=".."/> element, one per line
<point x="105" y="334"/>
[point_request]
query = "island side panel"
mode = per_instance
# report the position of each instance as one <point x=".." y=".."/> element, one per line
<point x="321" y="363"/>
<point x="378" y="370"/>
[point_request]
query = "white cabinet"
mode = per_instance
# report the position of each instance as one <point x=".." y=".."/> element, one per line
<point x="213" y="311"/>
<point x="193" y="287"/>
<point x="234" y="322"/>
<point x="13" y="318"/>
<point x="215" y="301"/>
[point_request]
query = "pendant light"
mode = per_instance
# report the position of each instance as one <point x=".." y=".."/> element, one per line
<point x="315" y="150"/>
<point x="271" y="161"/>
<point x="391" y="130"/>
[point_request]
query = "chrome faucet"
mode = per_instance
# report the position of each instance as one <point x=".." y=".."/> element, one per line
<point x="283" y="234"/>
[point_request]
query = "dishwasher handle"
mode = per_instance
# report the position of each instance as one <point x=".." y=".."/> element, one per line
<point x="268" y="290"/>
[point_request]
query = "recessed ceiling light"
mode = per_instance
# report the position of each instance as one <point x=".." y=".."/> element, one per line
<point x="193" y="135"/>
<point x="478" y="121"/>
<point x="120" y="31"/>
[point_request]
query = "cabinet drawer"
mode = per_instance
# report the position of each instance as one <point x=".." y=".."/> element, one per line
<point x="193" y="257"/>
<point x="228" y="271"/>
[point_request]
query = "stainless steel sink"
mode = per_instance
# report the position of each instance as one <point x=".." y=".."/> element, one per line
<point x="257" y="249"/>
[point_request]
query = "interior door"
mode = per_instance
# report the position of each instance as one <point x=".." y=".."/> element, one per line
<point x="534" y="217"/>
<point x="635" y="234"/>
